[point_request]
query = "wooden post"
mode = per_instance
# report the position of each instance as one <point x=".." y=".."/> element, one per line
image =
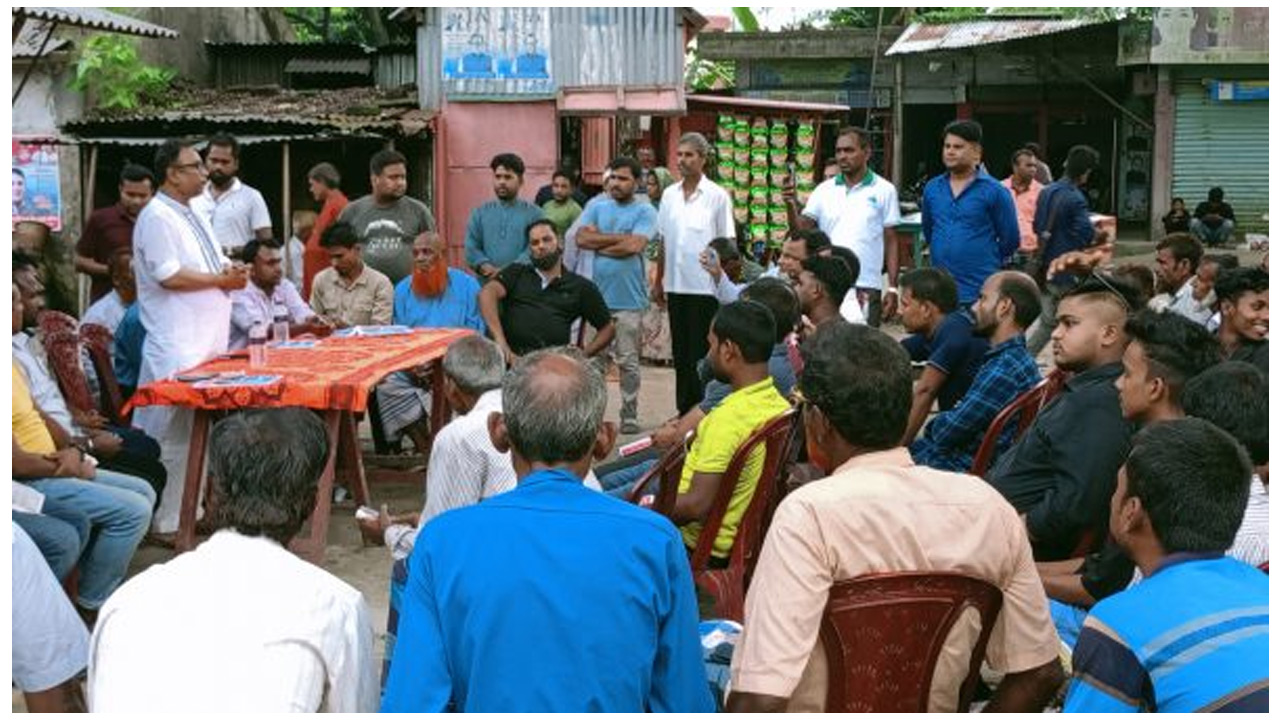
<point x="286" y="209"/>
<point x="89" y="187"/>
<point x="899" y="74"/>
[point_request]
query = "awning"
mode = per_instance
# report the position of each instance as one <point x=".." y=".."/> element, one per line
<point x="728" y="101"/>
<point x="923" y="37"/>
<point x="95" y="19"/>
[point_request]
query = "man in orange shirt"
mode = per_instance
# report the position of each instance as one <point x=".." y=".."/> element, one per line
<point x="1024" y="187"/>
<point x="323" y="180"/>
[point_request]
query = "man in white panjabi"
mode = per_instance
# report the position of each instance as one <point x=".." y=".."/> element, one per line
<point x="184" y="284"/>
<point x="241" y="624"/>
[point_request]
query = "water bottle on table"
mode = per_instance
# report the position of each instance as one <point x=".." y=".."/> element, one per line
<point x="280" y="325"/>
<point x="258" y="345"/>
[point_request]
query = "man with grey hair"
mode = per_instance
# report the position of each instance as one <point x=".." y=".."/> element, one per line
<point x="275" y="632"/>
<point x="569" y="600"/>
<point x="691" y="214"/>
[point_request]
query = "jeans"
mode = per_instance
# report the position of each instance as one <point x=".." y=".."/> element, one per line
<point x="1211" y="235"/>
<point x="1043" y="329"/>
<point x="620" y="482"/>
<point x="60" y="533"/>
<point x="119" y="506"/>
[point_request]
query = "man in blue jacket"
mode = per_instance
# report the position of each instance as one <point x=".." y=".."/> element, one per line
<point x="967" y="216"/>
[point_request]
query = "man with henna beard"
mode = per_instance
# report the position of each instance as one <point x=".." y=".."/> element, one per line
<point x="434" y="295"/>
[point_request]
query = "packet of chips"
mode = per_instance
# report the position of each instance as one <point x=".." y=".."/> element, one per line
<point x="778" y="135"/>
<point x="724" y="128"/>
<point x="805" y="135"/>
<point x="778" y="215"/>
<point x="741" y="132"/>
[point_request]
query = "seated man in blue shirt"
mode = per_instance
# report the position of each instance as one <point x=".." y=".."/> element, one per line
<point x="1193" y="635"/>
<point x="943" y="337"/>
<point x="516" y="604"/>
<point x="967" y="217"/>
<point x="434" y="295"/>
<point x="1009" y="303"/>
<point x="126" y="350"/>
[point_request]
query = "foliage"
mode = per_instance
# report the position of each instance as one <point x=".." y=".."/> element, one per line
<point x="364" y="25"/>
<point x="746" y="19"/>
<point x="118" y="79"/>
<point x="865" y="17"/>
<point x="700" y="74"/>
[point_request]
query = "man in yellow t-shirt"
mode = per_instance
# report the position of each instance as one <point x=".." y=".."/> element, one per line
<point x="741" y="340"/>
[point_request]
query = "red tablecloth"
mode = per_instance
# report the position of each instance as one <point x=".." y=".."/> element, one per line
<point x="336" y="374"/>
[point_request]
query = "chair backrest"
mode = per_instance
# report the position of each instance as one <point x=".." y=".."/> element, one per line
<point x="62" y="348"/>
<point x="667" y="474"/>
<point x="50" y="321"/>
<point x="883" y="634"/>
<point x="98" y="341"/>
<point x="1025" y="407"/>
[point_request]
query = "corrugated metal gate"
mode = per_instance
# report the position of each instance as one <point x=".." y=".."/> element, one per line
<point x="1221" y="144"/>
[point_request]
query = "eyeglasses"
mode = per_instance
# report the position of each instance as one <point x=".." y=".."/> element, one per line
<point x="189" y="166"/>
<point x="1114" y="290"/>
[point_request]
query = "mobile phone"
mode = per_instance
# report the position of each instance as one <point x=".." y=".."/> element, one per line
<point x="713" y="257"/>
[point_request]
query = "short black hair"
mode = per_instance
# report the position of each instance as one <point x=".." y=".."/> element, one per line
<point x="562" y="173"/>
<point x="630" y="163"/>
<point x="862" y="136"/>
<point x="1183" y="246"/>
<point x="23" y="261"/>
<point x="249" y="252"/>
<point x="1119" y="291"/>
<point x="1216" y="194"/>
<point x="1035" y="149"/>
<point x="384" y="159"/>
<point x="814" y="240"/>
<point x="832" y="274"/>
<point x="340" y="234"/>
<point x="851" y="261"/>
<point x="726" y="248"/>
<point x="777" y="295"/>
<point x="510" y="161"/>
<point x="1142" y="277"/>
<point x="1025" y="296"/>
<point x="540" y="221"/>
<point x="19" y="173"/>
<point x="750" y="326"/>
<point x="167" y="156"/>
<point x="860" y="378"/>
<point x="227" y="141"/>
<point x="1231" y="284"/>
<point x="1080" y="160"/>
<point x="932" y="285"/>
<point x="133" y="172"/>
<point x="265" y="466"/>
<point x="1233" y="396"/>
<point x="1222" y="260"/>
<point x="1193" y="481"/>
<point x="1176" y="348"/>
<point x="967" y="130"/>
<point x="327" y="174"/>
<point x="1013" y="159"/>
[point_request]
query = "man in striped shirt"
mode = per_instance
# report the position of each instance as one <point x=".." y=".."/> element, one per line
<point x="1192" y="636"/>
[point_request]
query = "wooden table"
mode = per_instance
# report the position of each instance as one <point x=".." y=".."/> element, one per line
<point x="335" y="378"/>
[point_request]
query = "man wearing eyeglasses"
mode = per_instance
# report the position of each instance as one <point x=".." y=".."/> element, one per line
<point x="184" y="285"/>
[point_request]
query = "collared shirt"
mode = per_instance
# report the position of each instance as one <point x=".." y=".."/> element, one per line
<point x="497" y="233"/>
<point x="250" y="306"/>
<point x="365" y="301"/>
<point x="970" y="235"/>
<point x="1064" y="203"/>
<point x="855" y="217"/>
<point x="686" y="226"/>
<point x="126" y="351"/>
<point x="717" y="440"/>
<point x="184" y="328"/>
<point x="388" y="232"/>
<point x="1192" y="637"/>
<point x="538" y="314"/>
<point x="109" y="229"/>
<point x="50" y="643"/>
<point x="562" y="214"/>
<point x="1252" y="543"/>
<point x="953" y="436"/>
<point x="108" y="311"/>
<point x="1185" y="304"/>
<point x="236" y="215"/>
<point x="29" y="429"/>
<point x="41" y="384"/>
<point x="1062" y="471"/>
<point x="955" y="351"/>
<point x="1025" y="203"/>
<point x="275" y="634"/>
<point x="516" y="604"/>
<point x="457" y="307"/>
<point x="880" y="513"/>
<point x="623" y="282"/>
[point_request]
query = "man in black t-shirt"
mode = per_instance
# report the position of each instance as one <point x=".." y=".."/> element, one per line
<point x="531" y="307"/>
<point x="1213" y="221"/>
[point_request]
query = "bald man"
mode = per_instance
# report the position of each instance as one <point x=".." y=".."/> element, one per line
<point x="1007" y="305"/>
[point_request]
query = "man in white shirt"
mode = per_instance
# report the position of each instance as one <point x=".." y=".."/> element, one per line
<point x="110" y="308"/>
<point x="858" y="210"/>
<point x="692" y="213"/>
<point x="267" y="296"/>
<point x="241" y="624"/>
<point x="50" y="644"/>
<point x="1177" y="260"/>
<point x="236" y="211"/>
<point x="184" y="286"/>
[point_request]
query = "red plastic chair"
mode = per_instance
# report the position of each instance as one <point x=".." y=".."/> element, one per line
<point x="883" y="633"/>
<point x="51" y="321"/>
<point x="728" y="585"/>
<point x="62" y="348"/>
<point x="1025" y="407"/>
<point x="667" y="473"/>
<point x="98" y="341"/>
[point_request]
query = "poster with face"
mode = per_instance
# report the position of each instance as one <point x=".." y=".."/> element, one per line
<point x="482" y="43"/>
<point x="36" y="191"/>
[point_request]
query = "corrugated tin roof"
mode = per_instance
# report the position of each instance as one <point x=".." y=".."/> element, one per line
<point x="758" y="103"/>
<point x="329" y="67"/>
<point x="32" y="36"/>
<point x="922" y="37"/>
<point x="97" y="19"/>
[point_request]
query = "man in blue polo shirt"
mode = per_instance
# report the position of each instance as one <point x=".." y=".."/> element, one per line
<point x="967" y="216"/>
<point x="550" y="597"/>
<point x="1193" y="635"/>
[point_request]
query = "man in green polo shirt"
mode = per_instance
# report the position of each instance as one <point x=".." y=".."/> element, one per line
<point x="562" y="210"/>
<point x="741" y="339"/>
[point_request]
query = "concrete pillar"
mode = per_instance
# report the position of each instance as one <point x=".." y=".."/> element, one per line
<point x="899" y="86"/>
<point x="1162" y="149"/>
